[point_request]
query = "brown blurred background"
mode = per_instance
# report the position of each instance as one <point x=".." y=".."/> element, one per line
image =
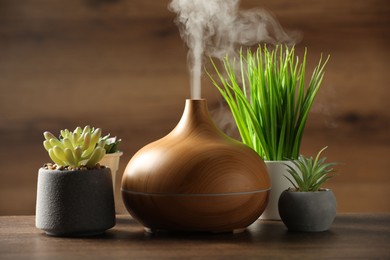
<point x="121" y="65"/>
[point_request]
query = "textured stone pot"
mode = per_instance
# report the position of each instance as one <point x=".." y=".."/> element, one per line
<point x="75" y="203"/>
<point x="307" y="211"/>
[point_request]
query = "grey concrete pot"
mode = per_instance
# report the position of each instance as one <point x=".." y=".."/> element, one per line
<point x="307" y="211"/>
<point x="75" y="203"/>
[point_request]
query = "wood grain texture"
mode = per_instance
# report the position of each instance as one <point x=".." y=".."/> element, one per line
<point x="352" y="236"/>
<point x="195" y="158"/>
<point x="196" y="178"/>
<point x="121" y="66"/>
<point x="224" y="213"/>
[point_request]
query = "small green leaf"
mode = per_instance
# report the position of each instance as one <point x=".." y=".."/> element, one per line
<point x="70" y="158"/>
<point x="78" y="131"/>
<point x="96" y="156"/>
<point x="96" y="135"/>
<point x="67" y="143"/>
<point x="59" y="153"/>
<point x="55" y="159"/>
<point x="77" y="154"/>
<point x="87" y="141"/>
<point x="48" y="135"/>
<point x="55" y="142"/>
<point x="47" y="145"/>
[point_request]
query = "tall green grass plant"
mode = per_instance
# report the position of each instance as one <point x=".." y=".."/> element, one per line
<point x="268" y="98"/>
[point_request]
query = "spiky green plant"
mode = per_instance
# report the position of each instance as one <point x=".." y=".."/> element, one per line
<point x="268" y="98"/>
<point x="82" y="147"/>
<point x="309" y="174"/>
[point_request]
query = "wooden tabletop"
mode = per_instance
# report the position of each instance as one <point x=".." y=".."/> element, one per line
<point x="352" y="236"/>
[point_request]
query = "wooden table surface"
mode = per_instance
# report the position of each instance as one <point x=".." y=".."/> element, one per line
<point x="352" y="236"/>
<point x="121" y="66"/>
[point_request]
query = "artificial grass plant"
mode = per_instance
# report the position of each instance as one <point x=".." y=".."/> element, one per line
<point x="309" y="174"/>
<point x="268" y="98"/>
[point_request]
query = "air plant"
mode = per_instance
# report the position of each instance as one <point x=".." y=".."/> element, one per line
<point x="309" y="174"/>
<point x="268" y="98"/>
<point x="82" y="147"/>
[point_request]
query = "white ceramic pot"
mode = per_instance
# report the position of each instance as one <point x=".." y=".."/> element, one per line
<point x="279" y="183"/>
<point x="111" y="160"/>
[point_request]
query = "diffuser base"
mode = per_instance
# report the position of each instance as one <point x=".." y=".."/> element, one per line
<point x="213" y="213"/>
<point x="154" y="231"/>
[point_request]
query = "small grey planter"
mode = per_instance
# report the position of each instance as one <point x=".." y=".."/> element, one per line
<point x="307" y="211"/>
<point x="75" y="203"/>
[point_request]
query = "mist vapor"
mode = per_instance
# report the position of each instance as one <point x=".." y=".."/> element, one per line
<point x="217" y="27"/>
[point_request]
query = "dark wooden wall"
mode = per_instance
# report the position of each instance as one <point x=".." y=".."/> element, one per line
<point x="121" y="65"/>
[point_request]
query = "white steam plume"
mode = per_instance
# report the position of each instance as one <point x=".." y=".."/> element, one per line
<point x="217" y="27"/>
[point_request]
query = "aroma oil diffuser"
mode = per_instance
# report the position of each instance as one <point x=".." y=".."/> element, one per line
<point x="196" y="179"/>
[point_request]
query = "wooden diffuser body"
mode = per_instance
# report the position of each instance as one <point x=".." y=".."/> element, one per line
<point x="196" y="179"/>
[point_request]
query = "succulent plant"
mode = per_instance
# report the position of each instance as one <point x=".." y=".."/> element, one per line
<point x="309" y="174"/>
<point x="112" y="143"/>
<point x="82" y="147"/>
